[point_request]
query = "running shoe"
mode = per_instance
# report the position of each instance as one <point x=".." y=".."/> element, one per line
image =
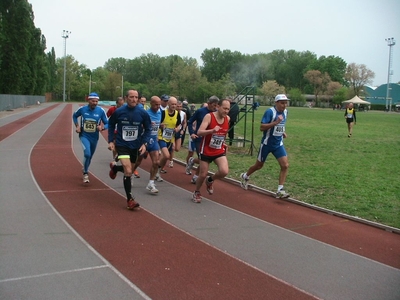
<point x="196" y="198"/>
<point x="171" y="164"/>
<point x="136" y="174"/>
<point x="112" y="172"/>
<point x="131" y="204"/>
<point x="163" y="171"/>
<point x="282" y="194"/>
<point x="209" y="186"/>
<point x="189" y="166"/>
<point x="194" y="179"/>
<point x="244" y="183"/>
<point x="152" y="188"/>
<point x="85" y="178"/>
<point x="159" y="178"/>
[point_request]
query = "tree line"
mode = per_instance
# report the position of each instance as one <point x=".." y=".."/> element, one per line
<point x="26" y="69"/>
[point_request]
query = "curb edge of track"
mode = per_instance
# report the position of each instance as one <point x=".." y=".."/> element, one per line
<point x="298" y="202"/>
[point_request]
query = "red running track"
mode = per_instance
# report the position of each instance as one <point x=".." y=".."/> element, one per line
<point x="165" y="262"/>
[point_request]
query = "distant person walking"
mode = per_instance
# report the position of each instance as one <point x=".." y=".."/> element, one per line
<point x="133" y="135"/>
<point x="350" y="116"/>
<point x="88" y="129"/>
<point x="273" y="126"/>
<point x="213" y="129"/>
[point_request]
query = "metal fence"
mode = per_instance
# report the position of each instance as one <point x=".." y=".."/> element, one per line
<point x="8" y="102"/>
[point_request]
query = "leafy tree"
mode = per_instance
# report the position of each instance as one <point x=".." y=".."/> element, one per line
<point x="319" y="81"/>
<point x="296" y="97"/>
<point x="358" y="75"/>
<point x="340" y="95"/>
<point x="117" y="65"/>
<point x="333" y="65"/>
<point x="270" y="89"/>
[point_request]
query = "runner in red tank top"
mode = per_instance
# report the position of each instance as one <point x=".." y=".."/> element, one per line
<point x="213" y="129"/>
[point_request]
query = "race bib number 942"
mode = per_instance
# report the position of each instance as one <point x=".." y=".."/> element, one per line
<point x="130" y="133"/>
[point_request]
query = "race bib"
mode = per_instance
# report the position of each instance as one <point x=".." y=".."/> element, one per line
<point x="154" y="129"/>
<point x="216" y="141"/>
<point x="349" y="116"/>
<point x="167" y="133"/>
<point x="278" y="130"/>
<point x="89" y="126"/>
<point x="130" y="133"/>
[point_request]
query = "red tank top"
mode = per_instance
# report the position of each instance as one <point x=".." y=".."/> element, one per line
<point x="213" y="144"/>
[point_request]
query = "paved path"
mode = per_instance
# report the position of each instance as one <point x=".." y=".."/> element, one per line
<point x="235" y="245"/>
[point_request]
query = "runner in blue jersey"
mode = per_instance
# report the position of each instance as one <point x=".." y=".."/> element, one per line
<point x="153" y="147"/>
<point x="273" y="126"/>
<point x="132" y="137"/>
<point x="197" y="118"/>
<point x="91" y="116"/>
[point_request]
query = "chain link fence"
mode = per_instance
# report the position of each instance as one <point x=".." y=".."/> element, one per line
<point x="10" y="102"/>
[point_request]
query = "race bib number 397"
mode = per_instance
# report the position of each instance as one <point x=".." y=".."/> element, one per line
<point x="130" y="133"/>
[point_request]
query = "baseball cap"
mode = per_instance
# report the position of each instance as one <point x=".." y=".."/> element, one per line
<point x="281" y="97"/>
<point x="93" y="96"/>
<point x="164" y="97"/>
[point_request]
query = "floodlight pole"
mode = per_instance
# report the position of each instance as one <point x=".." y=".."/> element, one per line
<point x="391" y="42"/>
<point x="65" y="35"/>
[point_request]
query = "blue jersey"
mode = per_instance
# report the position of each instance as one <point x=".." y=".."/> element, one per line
<point x="197" y="117"/>
<point x="90" y="118"/>
<point x="133" y="127"/>
<point x="273" y="137"/>
<point x="155" y="118"/>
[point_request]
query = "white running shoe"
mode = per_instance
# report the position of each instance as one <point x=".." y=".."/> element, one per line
<point x="152" y="188"/>
<point x="171" y="164"/>
<point x="159" y="178"/>
<point x="85" y="178"/>
<point x="282" y="194"/>
<point x="194" y="179"/>
<point x="244" y="183"/>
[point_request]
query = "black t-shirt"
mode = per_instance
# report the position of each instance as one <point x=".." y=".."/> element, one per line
<point x="234" y="112"/>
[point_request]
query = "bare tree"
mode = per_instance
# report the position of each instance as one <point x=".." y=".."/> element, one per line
<point x="358" y="76"/>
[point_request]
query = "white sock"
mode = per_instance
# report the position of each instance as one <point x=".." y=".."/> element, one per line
<point x="151" y="182"/>
<point x="280" y="187"/>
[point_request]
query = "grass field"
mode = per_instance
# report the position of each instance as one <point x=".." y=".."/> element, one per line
<point x="359" y="176"/>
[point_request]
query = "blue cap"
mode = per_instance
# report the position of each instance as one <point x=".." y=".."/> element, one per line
<point x="164" y="97"/>
<point x="93" y="96"/>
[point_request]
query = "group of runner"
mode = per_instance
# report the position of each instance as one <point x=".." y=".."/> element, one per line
<point x="136" y="131"/>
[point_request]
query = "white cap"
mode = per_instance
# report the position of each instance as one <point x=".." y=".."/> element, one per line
<point x="281" y="97"/>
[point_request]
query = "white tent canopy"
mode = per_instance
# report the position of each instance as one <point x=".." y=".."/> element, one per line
<point x="356" y="100"/>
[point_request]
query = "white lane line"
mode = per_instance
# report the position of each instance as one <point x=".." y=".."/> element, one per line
<point x="53" y="273"/>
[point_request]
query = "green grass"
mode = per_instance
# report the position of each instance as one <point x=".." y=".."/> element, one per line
<point x="359" y="176"/>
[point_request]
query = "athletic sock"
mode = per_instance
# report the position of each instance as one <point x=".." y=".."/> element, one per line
<point x="280" y="187"/>
<point x="128" y="187"/>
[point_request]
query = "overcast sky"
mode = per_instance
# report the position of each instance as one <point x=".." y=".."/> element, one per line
<point x="354" y="30"/>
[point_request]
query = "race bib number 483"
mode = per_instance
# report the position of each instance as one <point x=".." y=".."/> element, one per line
<point x="130" y="133"/>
